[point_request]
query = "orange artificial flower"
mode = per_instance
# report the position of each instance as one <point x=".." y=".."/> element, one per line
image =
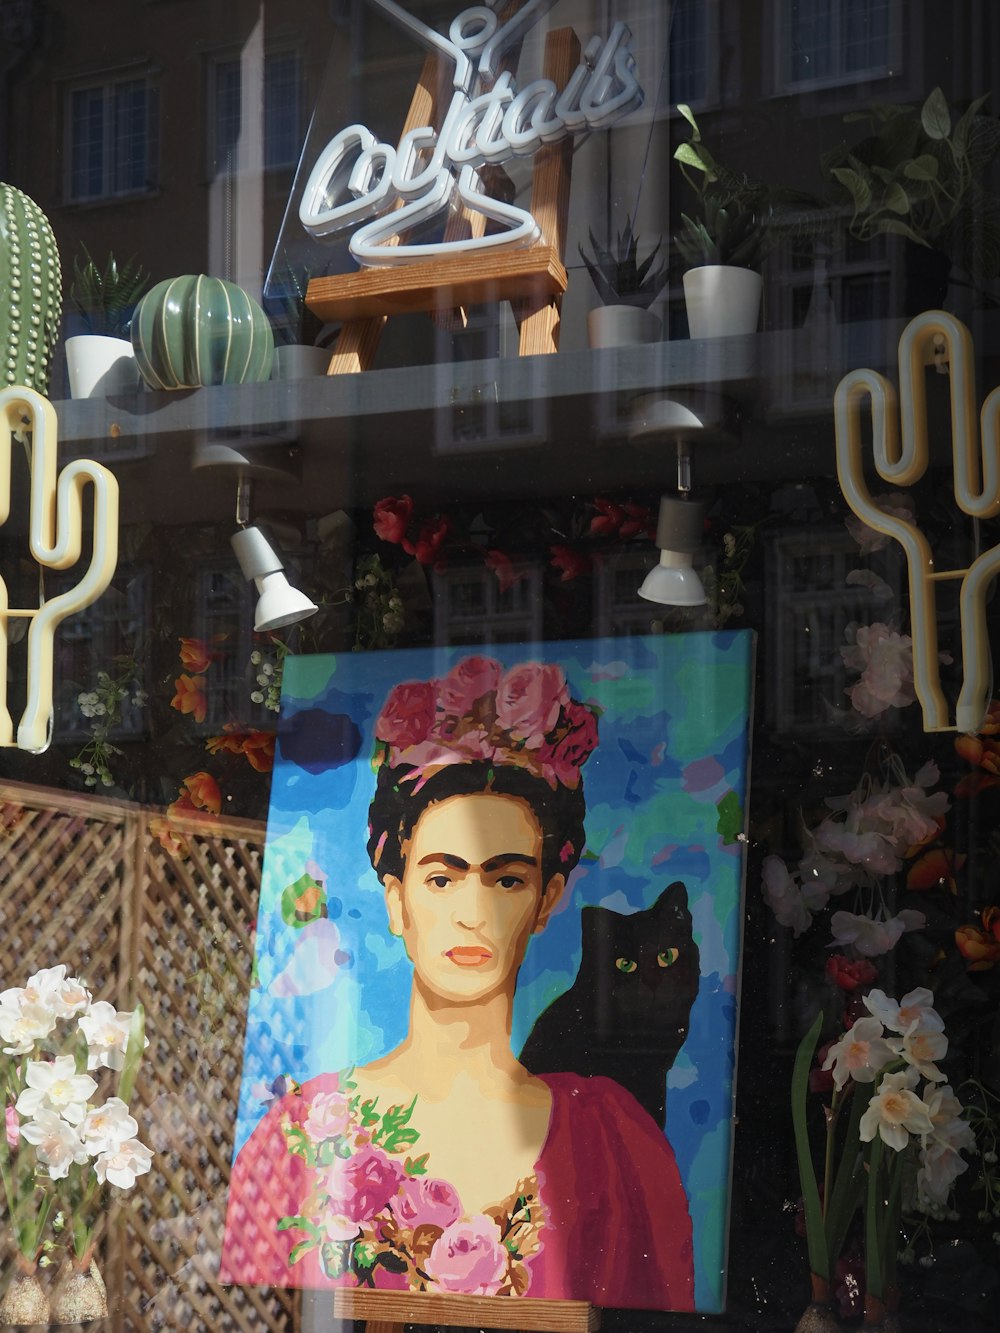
<point x="229" y="743"/>
<point x="203" y="791"/>
<point x="980" y="950"/>
<point x="196" y="656"/>
<point x="190" y="696"/>
<point x="936" y="870"/>
<point x="168" y="837"/>
<point x="258" y="746"/>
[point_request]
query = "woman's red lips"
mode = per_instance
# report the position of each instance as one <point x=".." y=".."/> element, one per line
<point x="469" y="955"/>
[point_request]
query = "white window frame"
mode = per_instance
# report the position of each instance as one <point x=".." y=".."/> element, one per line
<point x="106" y="85"/>
<point x="783" y="84"/>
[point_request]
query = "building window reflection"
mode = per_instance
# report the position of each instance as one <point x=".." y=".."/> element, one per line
<point x="829" y="42"/>
<point x="282" y="111"/>
<point x="113" y="131"/>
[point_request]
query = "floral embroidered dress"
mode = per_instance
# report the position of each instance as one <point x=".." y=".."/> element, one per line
<point x="331" y="1191"/>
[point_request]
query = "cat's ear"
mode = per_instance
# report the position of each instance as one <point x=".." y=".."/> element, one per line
<point x="554" y="891"/>
<point x="674" y="896"/>
<point x="394" y="903"/>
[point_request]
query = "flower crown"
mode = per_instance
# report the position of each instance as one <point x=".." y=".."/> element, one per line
<point x="520" y="718"/>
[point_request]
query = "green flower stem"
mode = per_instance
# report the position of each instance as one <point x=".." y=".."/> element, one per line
<point x="848" y="1185"/>
<point x="832" y="1115"/>
<point x="873" y="1250"/>
<point x="893" y="1220"/>
<point x="815" y="1227"/>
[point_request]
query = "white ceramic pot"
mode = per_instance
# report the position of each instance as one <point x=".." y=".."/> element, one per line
<point x="100" y="366"/>
<point x="722" y="300"/>
<point x="297" y="361"/>
<point x="622" y="325"/>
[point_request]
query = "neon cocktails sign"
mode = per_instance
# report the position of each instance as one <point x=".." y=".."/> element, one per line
<point x="389" y="190"/>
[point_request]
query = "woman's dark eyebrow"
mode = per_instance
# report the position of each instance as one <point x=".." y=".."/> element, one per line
<point x="493" y="863"/>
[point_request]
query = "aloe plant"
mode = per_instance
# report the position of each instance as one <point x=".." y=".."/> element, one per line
<point x="105" y="298"/>
<point x="730" y="228"/>
<point x="919" y="175"/>
<point x="619" y="277"/>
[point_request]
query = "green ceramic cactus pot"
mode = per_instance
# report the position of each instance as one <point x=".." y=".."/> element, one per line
<point x="30" y="291"/>
<point x="194" y="330"/>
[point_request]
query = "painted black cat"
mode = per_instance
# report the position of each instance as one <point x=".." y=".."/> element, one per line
<point x="627" y="1013"/>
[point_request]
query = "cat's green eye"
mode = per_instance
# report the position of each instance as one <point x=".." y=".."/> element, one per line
<point x="626" y="964"/>
<point x="667" y="957"/>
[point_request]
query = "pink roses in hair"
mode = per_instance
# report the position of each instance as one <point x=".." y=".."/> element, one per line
<point x="523" y="717"/>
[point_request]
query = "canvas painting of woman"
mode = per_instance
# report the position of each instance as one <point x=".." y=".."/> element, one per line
<point x="490" y="1037"/>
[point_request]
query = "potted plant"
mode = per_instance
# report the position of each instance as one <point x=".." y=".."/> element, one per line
<point x="301" y="339"/>
<point x="722" y="246"/>
<point x="627" y="289"/>
<point x="100" y="361"/>
<point x="919" y="175"/>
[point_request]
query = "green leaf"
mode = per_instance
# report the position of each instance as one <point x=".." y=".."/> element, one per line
<point x="935" y="116"/>
<point x="303" y="902"/>
<point x="298" y="1251"/>
<point x="815" y="1229"/>
<point x="688" y="115"/>
<point x="690" y="156"/>
<point x="134" y="1047"/>
<point x="896" y="228"/>
<point x="336" y="1257"/>
<point x="416" y="1166"/>
<point x="855" y="185"/>
<point x="326" y="1153"/>
<point x="300" y="1144"/>
<point x="896" y="200"/>
<point x="730" y="822"/>
<point x="849" y="1181"/>
<point x="922" y="168"/>
<point x="299" y="1224"/>
<point x="873" y="1252"/>
<point x="400" y="1138"/>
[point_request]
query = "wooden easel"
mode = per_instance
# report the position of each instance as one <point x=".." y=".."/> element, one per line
<point x="388" y="1311"/>
<point x="534" y="279"/>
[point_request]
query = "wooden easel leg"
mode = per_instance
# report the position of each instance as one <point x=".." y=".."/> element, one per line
<point x="540" y="329"/>
<point x="356" y="346"/>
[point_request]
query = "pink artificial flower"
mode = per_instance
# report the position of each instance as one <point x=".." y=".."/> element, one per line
<point x="896" y="504"/>
<point x="12" y="1122"/>
<point x="468" y="1257"/>
<point x="329" y="1116"/>
<point x="422" y="1202"/>
<point x="529" y="699"/>
<point x="885" y="661"/>
<point x="871" y="936"/>
<point x="408" y="714"/>
<point x="358" y="1188"/>
<point x="467" y="684"/>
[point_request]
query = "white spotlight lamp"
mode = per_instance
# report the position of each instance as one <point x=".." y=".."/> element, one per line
<point x="278" y="603"/>
<point x="673" y="582"/>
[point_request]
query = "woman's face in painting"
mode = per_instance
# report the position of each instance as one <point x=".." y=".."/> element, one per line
<point x="471" y="894"/>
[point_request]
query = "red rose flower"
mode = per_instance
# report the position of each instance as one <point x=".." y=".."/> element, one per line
<point x="571" y="562"/>
<point x="850" y="973"/>
<point x="390" y="517"/>
<point x="428" y="546"/>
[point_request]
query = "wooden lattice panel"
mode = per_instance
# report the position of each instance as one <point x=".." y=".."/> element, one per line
<point x="85" y="882"/>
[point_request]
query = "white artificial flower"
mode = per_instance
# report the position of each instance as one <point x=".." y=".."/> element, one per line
<point x="940" y="1164"/>
<point x="57" y="1143"/>
<point x="120" y="1167"/>
<point x="783" y="895"/>
<point x="105" y="1128"/>
<point x="106" y="1029"/>
<point x="54" y="1085"/>
<point x="872" y="936"/>
<point x="895" y="1111"/>
<point x="921" y="1049"/>
<point x="950" y="1129"/>
<point x="860" y="1054"/>
<point x="914" y="1012"/>
<point x="23" y="1023"/>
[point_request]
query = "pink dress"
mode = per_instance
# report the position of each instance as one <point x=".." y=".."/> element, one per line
<point x="325" y="1193"/>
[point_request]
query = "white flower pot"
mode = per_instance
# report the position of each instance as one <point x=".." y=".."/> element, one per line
<point x="622" y="325"/>
<point x="100" y="366"/>
<point x="297" y="361"/>
<point x="722" y="300"/>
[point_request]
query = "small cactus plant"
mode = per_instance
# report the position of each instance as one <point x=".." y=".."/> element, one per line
<point x="30" y="291"/>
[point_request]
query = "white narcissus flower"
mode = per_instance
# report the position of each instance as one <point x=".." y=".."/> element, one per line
<point x="22" y="1024"/>
<point x="105" y="1128"/>
<point x="54" y="1085"/>
<point x="914" y="1012"/>
<point x="940" y="1165"/>
<point x="921" y="1049"/>
<point x="120" y="1167"/>
<point x="895" y="1111"/>
<point x="57" y="1142"/>
<point x="106" y="1029"/>
<point x="860" y="1054"/>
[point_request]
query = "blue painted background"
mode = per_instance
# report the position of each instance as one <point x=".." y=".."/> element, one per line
<point x="673" y="743"/>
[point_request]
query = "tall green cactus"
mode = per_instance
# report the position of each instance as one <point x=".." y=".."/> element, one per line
<point x="30" y="291"/>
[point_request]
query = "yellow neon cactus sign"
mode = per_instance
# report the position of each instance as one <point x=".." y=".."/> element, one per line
<point x="901" y="455"/>
<point x="55" y="537"/>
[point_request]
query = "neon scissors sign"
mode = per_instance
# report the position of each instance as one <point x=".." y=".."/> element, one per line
<point x="390" y="189"/>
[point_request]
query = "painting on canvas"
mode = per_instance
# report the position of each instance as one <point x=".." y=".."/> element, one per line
<point x="491" y="1034"/>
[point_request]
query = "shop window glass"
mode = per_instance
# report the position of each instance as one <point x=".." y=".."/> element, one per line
<point x="836" y="41"/>
<point x="283" y="101"/>
<point x="689" y="81"/>
<point x="113" y="130"/>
